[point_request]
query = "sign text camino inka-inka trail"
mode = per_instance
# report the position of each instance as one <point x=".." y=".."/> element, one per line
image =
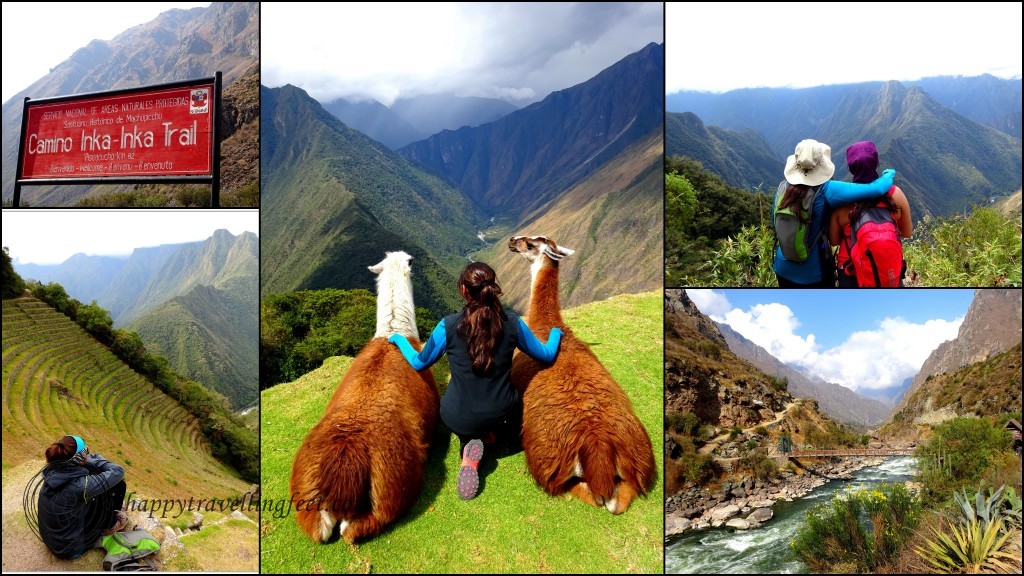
<point x="164" y="133"/>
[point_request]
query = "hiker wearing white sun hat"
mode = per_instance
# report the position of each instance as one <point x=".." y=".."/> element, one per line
<point x="801" y="212"/>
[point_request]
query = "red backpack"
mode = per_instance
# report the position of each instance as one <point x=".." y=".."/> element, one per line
<point x="876" y="253"/>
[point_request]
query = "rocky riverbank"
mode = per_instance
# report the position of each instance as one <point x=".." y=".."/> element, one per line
<point x="747" y="502"/>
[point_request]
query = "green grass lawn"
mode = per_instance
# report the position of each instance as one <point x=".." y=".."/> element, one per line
<point x="512" y="526"/>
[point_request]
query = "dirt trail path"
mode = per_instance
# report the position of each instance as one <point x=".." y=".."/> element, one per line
<point x="721" y="438"/>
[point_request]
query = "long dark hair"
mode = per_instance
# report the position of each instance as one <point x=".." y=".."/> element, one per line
<point x="61" y="450"/>
<point x="890" y="204"/>
<point x="793" y="196"/>
<point x="483" y="318"/>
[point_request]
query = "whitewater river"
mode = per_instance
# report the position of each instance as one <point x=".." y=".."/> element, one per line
<point x="766" y="549"/>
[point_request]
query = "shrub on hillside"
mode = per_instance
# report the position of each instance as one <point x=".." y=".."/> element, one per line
<point x="959" y="454"/>
<point x="982" y="248"/>
<point x="13" y="284"/>
<point x="862" y="530"/>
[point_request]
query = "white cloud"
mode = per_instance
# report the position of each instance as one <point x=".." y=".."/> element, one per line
<point x="866" y="360"/>
<point x="876" y="359"/>
<point x="711" y="303"/>
<point x="773" y="327"/>
<point x="519" y="51"/>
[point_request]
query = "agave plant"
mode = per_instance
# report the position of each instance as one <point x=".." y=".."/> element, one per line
<point x="987" y="510"/>
<point x="1011" y="507"/>
<point x="970" y="548"/>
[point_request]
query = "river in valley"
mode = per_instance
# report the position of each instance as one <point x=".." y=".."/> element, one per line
<point x="766" y="549"/>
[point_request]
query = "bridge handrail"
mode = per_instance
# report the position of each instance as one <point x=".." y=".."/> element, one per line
<point x="854" y="452"/>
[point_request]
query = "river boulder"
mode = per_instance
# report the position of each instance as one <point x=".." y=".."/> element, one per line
<point x="738" y="523"/>
<point x="761" y="515"/>
<point x="675" y="525"/>
<point x="724" y="512"/>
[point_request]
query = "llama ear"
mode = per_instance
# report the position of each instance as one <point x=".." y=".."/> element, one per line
<point x="561" y="252"/>
<point x="376" y="268"/>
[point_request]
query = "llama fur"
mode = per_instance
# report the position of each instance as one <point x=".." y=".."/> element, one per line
<point x="580" y="434"/>
<point x="361" y="466"/>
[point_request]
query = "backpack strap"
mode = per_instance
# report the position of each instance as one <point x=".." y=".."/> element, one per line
<point x="874" y="268"/>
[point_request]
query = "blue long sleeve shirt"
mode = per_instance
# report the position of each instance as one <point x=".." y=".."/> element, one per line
<point x="474" y="402"/>
<point x="435" y="346"/>
<point x="832" y="194"/>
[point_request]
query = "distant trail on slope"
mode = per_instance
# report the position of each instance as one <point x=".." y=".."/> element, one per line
<point x="717" y="440"/>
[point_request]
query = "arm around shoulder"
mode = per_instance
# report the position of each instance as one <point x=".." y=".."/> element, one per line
<point x="837" y="192"/>
<point x="432" y="350"/>
<point x="542" y="352"/>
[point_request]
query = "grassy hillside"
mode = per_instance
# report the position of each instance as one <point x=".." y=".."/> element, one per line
<point x="59" y="380"/>
<point x="512" y="526"/>
<point x="613" y="219"/>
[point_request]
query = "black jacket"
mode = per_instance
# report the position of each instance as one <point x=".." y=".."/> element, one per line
<point x="64" y="500"/>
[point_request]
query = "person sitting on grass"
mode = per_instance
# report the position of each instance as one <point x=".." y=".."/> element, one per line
<point x="480" y="402"/>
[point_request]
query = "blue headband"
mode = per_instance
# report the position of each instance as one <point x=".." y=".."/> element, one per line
<point x="79" y="444"/>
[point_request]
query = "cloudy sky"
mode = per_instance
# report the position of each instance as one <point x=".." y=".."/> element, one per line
<point x="519" y="52"/>
<point x="52" y="236"/>
<point x="718" y="47"/>
<point x="863" y="340"/>
<point x="29" y="51"/>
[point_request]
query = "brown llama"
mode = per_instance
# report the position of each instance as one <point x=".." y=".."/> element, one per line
<point x="361" y="467"/>
<point x="580" y="434"/>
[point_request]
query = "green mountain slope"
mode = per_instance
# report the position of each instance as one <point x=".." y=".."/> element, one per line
<point x="223" y="260"/>
<point x="334" y="201"/>
<point x="742" y="159"/>
<point x="208" y="335"/>
<point x="512" y="526"/>
<point x="945" y="161"/>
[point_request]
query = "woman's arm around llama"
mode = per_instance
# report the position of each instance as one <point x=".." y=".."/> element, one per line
<point x="435" y="346"/>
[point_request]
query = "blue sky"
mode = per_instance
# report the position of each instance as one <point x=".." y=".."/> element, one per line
<point x="862" y="339"/>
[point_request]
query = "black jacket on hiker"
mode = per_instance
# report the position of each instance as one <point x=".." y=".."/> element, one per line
<point x="78" y="502"/>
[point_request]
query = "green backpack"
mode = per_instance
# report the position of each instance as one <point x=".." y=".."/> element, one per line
<point x="128" y="551"/>
<point x="792" y="235"/>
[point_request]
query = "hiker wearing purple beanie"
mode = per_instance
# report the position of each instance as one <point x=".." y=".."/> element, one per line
<point x="802" y="210"/>
<point x="862" y="160"/>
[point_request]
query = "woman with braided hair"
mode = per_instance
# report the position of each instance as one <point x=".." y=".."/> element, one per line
<point x="480" y="402"/>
